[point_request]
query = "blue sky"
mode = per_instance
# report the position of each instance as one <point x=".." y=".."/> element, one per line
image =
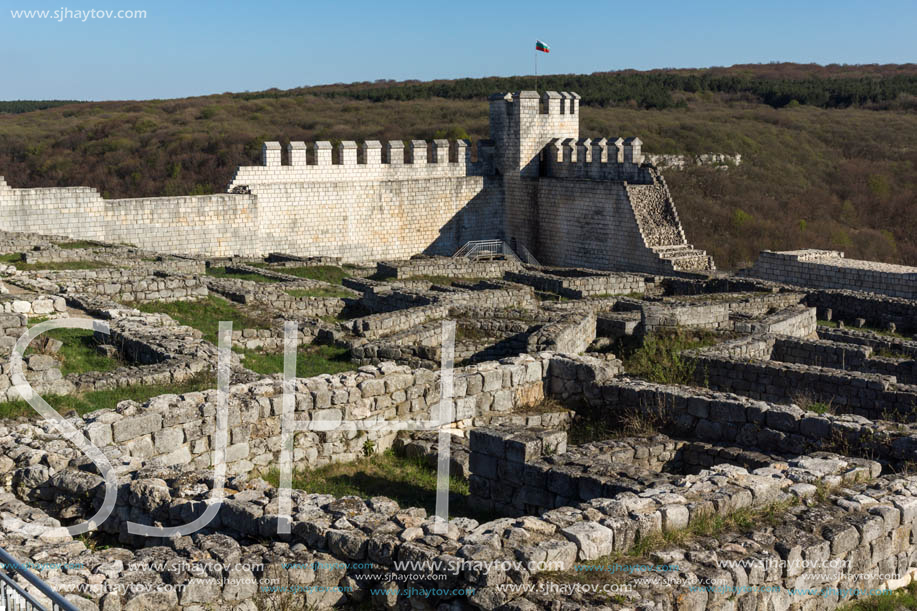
<point x="195" y="48"/>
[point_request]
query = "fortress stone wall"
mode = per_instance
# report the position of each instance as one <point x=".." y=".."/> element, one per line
<point x="828" y="269"/>
<point x="216" y="225"/>
<point x="574" y="202"/>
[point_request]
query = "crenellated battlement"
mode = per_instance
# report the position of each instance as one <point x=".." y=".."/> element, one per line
<point x="370" y="152"/>
<point x="369" y="160"/>
<point x="617" y="159"/>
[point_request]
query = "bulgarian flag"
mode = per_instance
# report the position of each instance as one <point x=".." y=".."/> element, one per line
<point x="540" y="46"/>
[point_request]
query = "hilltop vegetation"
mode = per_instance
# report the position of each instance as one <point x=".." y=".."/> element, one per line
<point x="829" y="155"/>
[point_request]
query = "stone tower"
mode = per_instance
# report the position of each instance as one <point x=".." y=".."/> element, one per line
<point x="522" y="124"/>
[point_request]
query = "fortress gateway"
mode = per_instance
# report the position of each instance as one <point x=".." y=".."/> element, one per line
<point x="537" y="185"/>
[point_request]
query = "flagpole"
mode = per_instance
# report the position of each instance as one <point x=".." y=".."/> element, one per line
<point x="536" y="69"/>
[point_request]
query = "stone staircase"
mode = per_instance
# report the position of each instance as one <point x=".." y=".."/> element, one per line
<point x="685" y="258"/>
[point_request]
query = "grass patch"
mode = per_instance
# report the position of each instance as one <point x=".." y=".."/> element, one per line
<point x="310" y="361"/>
<point x="321" y="291"/>
<point x="81" y="244"/>
<point x="332" y="274"/>
<point x="79" y="353"/>
<point x="409" y="481"/>
<point x="820" y="407"/>
<point x="646" y="421"/>
<point x="549" y="296"/>
<point x="87" y="402"/>
<point x="885" y="353"/>
<point x="658" y="358"/>
<point x="205" y="314"/>
<point x="220" y="272"/>
<point x="18" y="260"/>
<point x="903" y="598"/>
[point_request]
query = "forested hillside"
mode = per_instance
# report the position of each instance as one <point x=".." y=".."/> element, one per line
<point x="829" y="157"/>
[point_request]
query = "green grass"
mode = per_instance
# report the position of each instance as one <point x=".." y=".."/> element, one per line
<point x="311" y="361"/>
<point x="658" y="358"/>
<point x="321" y="291"/>
<point x="220" y="272"/>
<point x="331" y="274"/>
<point x="84" y="403"/>
<point x="409" y="481"/>
<point x="205" y="315"/>
<point x="17" y="260"/>
<point x="904" y="598"/>
<point x="820" y="407"/>
<point x="892" y="354"/>
<point x="79" y="353"/>
<point x="80" y="244"/>
<point x="586" y="430"/>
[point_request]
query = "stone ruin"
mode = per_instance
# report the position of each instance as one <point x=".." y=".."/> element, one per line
<point x="769" y="466"/>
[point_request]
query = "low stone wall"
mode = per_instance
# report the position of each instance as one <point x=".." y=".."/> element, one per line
<point x="876" y="310"/>
<point x="867" y="338"/>
<point x="127" y="285"/>
<point x="295" y="260"/>
<point x="841" y="355"/>
<point x="419" y="346"/>
<point x="32" y="305"/>
<point x="697" y="413"/>
<point x="673" y="285"/>
<point x="821" y="353"/>
<point x="276" y="297"/>
<point x="828" y="269"/>
<point x="764" y="304"/>
<point x="118" y="256"/>
<point x="616" y="324"/>
<point x="378" y="325"/>
<point x="271" y="340"/>
<point x="242" y="268"/>
<point x="175" y="371"/>
<point x="179" y="430"/>
<point x="489" y="295"/>
<point x="865" y="526"/>
<point x="17" y="242"/>
<point x="656" y="317"/>
<point x="577" y="283"/>
<point x="572" y="334"/>
<point x="871" y="395"/>
<point x="381" y="297"/>
<point x="448" y="267"/>
<point x="518" y="471"/>
<point x="795" y="321"/>
<point x="42" y="371"/>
